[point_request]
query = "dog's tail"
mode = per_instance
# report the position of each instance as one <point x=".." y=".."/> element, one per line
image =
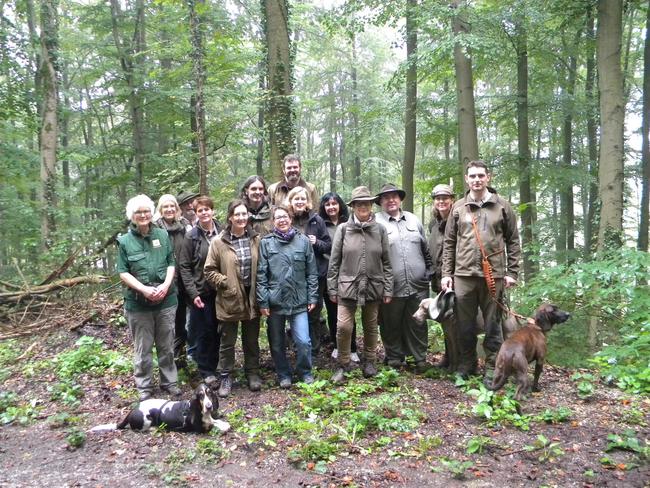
<point x="501" y="373"/>
<point x="104" y="428"/>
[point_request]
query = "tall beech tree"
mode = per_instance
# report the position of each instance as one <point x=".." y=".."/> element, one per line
<point x="410" y="114"/>
<point x="612" y="113"/>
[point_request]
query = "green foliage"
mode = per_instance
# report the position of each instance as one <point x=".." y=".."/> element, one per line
<point x="210" y="450"/>
<point x="63" y="419"/>
<point x="494" y="408"/>
<point x="628" y="441"/>
<point x="66" y="391"/>
<point x="11" y="410"/>
<point x="457" y="469"/>
<point x="546" y="450"/>
<point x="90" y="357"/>
<point x="584" y="384"/>
<point x="477" y="444"/>
<point x="75" y="438"/>
<point x="555" y="416"/>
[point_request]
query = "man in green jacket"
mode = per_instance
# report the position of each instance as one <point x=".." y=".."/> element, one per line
<point x="481" y="225"/>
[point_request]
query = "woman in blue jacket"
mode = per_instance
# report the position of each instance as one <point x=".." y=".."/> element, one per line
<point x="287" y="289"/>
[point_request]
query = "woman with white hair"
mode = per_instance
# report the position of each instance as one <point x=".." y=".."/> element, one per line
<point x="170" y="218"/>
<point x="146" y="265"/>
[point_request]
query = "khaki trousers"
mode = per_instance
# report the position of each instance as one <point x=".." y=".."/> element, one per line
<point x="345" y="319"/>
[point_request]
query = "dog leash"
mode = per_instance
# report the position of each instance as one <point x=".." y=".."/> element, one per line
<point x="489" y="276"/>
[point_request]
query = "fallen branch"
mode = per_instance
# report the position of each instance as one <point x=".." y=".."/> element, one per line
<point x="39" y="290"/>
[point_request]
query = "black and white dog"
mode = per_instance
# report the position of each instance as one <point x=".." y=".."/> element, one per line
<point x="193" y="415"/>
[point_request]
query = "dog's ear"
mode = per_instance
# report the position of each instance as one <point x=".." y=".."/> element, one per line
<point x="543" y="316"/>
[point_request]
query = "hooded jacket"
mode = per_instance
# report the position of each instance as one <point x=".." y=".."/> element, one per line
<point x="193" y="256"/>
<point x="287" y="277"/>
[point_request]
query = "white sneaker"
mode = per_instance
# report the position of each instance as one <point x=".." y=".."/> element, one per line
<point x="335" y="354"/>
<point x="354" y="357"/>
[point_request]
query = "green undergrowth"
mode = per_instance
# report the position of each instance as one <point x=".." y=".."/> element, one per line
<point x="323" y="422"/>
<point x="609" y="327"/>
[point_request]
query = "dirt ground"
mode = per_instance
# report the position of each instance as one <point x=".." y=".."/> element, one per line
<point x="37" y="454"/>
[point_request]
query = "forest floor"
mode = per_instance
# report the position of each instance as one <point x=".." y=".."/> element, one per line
<point x="398" y="429"/>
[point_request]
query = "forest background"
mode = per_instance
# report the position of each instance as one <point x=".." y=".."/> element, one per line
<point x="103" y="100"/>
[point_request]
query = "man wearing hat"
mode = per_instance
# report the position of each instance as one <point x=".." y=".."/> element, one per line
<point x="443" y="200"/>
<point x="412" y="269"/>
<point x="481" y="226"/>
<point x="186" y="200"/>
<point x="291" y="169"/>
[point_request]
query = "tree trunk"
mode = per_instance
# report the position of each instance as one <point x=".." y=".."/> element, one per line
<point x="356" y="177"/>
<point x="131" y="60"/>
<point x="410" y="115"/>
<point x="259" y="160"/>
<point x="467" y="134"/>
<point x="642" y="242"/>
<point x="567" y="222"/>
<point x="198" y="68"/>
<point x="610" y="87"/>
<point x="331" y="136"/>
<point x="50" y="124"/>
<point x="526" y="195"/>
<point x="280" y="116"/>
<point x="591" y="226"/>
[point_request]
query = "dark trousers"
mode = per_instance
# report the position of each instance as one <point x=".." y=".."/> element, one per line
<point x="180" y="333"/>
<point x="332" y="311"/>
<point x="471" y="294"/>
<point x="314" y="319"/>
<point x="250" y="333"/>
<point x="205" y="325"/>
<point x="401" y="335"/>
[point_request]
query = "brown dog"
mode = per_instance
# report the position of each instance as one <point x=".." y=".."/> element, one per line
<point x="524" y="346"/>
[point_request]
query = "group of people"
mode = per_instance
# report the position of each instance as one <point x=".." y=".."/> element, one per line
<point x="283" y="253"/>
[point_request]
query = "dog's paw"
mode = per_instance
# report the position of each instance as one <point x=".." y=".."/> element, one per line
<point x="221" y="425"/>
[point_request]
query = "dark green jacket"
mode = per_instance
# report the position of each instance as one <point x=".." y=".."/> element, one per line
<point x="147" y="259"/>
<point x="287" y="278"/>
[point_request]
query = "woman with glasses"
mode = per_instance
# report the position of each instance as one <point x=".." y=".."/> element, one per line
<point x="146" y="266"/>
<point x="287" y="289"/>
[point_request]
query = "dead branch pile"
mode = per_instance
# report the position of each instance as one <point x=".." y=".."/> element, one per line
<point x="20" y="294"/>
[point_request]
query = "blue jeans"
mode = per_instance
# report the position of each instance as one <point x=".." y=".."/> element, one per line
<point x="300" y="332"/>
<point x="204" y="321"/>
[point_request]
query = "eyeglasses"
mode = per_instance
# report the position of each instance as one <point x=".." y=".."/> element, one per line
<point x="142" y="212"/>
<point x="281" y="217"/>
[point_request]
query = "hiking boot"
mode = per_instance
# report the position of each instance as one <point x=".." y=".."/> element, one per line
<point x="285" y="383"/>
<point x="422" y="367"/>
<point x="369" y="369"/>
<point x="308" y="379"/>
<point x="254" y="382"/>
<point x="211" y="381"/>
<point x="394" y="363"/>
<point x="145" y="395"/>
<point x="226" y="385"/>
<point x="173" y="390"/>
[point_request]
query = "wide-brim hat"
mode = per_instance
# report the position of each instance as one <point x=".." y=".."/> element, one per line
<point x="391" y="188"/>
<point x="442" y="306"/>
<point x="361" y="194"/>
<point x="186" y="196"/>
<point x="439" y="190"/>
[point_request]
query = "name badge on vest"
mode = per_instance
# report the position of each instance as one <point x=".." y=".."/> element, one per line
<point x="155" y="243"/>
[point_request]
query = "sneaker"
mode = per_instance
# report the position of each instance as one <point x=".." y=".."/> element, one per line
<point x="226" y="386"/>
<point x="335" y="354"/>
<point x="145" y="395"/>
<point x="254" y="382"/>
<point x="173" y="390"/>
<point x="369" y="369"/>
<point x="308" y="379"/>
<point x="339" y="377"/>
<point x="354" y="357"/>
<point x="285" y="383"/>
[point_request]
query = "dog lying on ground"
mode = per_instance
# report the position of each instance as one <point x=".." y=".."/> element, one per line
<point x="193" y="415"/>
<point x="524" y="346"/>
